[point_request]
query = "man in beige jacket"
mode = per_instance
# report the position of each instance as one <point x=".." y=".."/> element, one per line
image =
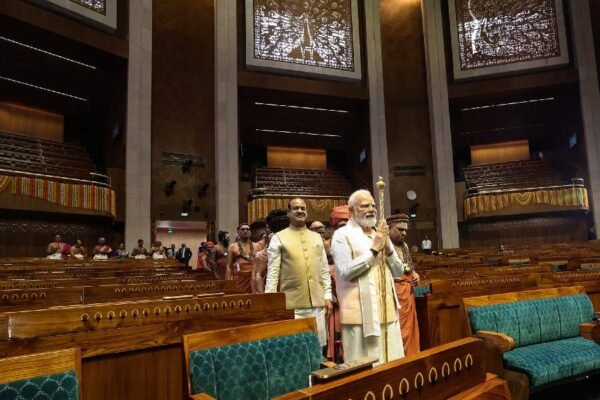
<point x="364" y="283"/>
<point x="297" y="266"/>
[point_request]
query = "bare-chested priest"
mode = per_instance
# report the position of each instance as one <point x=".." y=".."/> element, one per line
<point x="404" y="284"/>
<point x="297" y="266"/>
<point x="57" y="250"/>
<point x="77" y="250"/>
<point x="240" y="259"/>
<point x="366" y="263"/>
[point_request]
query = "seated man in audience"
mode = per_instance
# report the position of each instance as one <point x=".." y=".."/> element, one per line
<point x="102" y="250"/>
<point x="404" y="285"/>
<point x="297" y="266"/>
<point x="57" y="250"/>
<point x="157" y="251"/>
<point x="77" y="250"/>
<point x="120" y="253"/>
<point x="140" y="251"/>
<point x="364" y="283"/>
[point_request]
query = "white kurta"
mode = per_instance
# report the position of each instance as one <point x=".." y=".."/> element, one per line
<point x="355" y="263"/>
<point x="273" y="271"/>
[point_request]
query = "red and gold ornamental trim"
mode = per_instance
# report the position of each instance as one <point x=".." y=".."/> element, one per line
<point x="318" y="208"/>
<point x="70" y="195"/>
<point x="567" y="197"/>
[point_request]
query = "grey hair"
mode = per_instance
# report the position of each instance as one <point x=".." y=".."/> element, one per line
<point x="354" y="196"/>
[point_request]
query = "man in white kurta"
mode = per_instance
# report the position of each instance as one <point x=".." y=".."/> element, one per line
<point x="366" y="294"/>
<point x="297" y="266"/>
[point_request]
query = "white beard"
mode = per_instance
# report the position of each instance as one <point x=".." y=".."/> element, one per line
<point x="366" y="222"/>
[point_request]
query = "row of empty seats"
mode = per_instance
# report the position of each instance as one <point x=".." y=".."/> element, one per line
<point x="30" y="154"/>
<point x="512" y="175"/>
<point x="297" y="181"/>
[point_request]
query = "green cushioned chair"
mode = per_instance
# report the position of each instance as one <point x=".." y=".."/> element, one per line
<point x="252" y="362"/>
<point x="545" y="333"/>
<point x="54" y="375"/>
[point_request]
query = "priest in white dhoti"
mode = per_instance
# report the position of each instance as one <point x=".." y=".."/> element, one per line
<point x="297" y="266"/>
<point x="366" y="264"/>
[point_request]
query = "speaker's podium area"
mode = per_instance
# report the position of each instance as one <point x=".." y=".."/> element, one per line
<point x="299" y="199"/>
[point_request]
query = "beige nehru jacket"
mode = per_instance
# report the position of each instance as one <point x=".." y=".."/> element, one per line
<point x="297" y="266"/>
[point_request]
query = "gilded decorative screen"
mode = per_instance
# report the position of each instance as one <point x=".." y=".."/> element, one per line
<point x="312" y="36"/>
<point x="494" y="36"/>
<point x="95" y="5"/>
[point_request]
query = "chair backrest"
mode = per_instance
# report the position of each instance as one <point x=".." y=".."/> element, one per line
<point x="51" y="375"/>
<point x="258" y="361"/>
<point x="531" y="317"/>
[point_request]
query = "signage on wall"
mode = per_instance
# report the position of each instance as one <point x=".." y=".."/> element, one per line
<point x="319" y="37"/>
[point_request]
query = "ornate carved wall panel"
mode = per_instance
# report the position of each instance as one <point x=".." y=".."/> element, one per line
<point x="102" y="12"/>
<point x="98" y="6"/>
<point x="315" y="37"/>
<point x="496" y="36"/>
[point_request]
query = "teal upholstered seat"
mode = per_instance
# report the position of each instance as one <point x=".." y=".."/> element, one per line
<point x="62" y="386"/>
<point x="534" y="321"/>
<point x="422" y="291"/>
<point x="552" y="361"/>
<point x="259" y="369"/>
<point x="548" y="346"/>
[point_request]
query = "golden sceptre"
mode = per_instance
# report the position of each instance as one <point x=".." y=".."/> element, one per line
<point x="382" y="267"/>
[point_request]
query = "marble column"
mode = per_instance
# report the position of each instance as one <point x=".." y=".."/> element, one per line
<point x="226" y="116"/>
<point x="139" y="136"/>
<point x="439" y="120"/>
<point x="379" y="155"/>
<point x="583" y="50"/>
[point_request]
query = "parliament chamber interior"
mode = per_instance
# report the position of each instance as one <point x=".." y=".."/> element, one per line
<point x="299" y="199"/>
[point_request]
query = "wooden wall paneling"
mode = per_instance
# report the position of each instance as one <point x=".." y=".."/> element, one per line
<point x="31" y="121"/>
<point x="406" y="109"/>
<point x="183" y="44"/>
<point x="294" y="157"/>
<point x="28" y="234"/>
<point x="500" y="152"/>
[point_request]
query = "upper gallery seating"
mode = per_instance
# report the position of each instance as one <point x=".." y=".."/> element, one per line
<point x="30" y="154"/>
<point x="296" y="181"/>
<point x="511" y="175"/>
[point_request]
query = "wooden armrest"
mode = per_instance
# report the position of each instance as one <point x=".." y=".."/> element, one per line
<point x="590" y="330"/>
<point x="201" y="396"/>
<point x="501" y="341"/>
<point x="328" y="364"/>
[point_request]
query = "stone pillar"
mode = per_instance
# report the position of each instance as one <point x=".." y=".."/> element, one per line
<point x="138" y="160"/>
<point x="439" y="120"/>
<point x="583" y="46"/>
<point x="379" y="155"/>
<point x="226" y="116"/>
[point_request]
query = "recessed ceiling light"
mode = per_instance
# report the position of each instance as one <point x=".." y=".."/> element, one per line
<point x="511" y="103"/>
<point x="49" y="53"/>
<point x="45" y="89"/>
<point x="258" y="103"/>
<point x="298" y="133"/>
